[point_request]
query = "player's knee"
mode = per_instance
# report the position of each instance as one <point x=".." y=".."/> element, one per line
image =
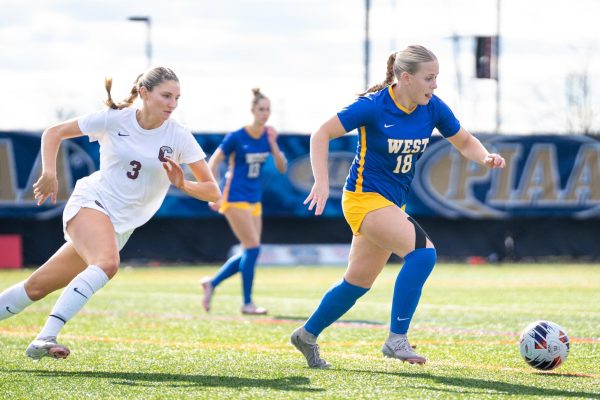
<point x="109" y="264"/>
<point x="424" y="257"/>
<point x="251" y="243"/>
<point x="252" y="250"/>
<point x="35" y="289"/>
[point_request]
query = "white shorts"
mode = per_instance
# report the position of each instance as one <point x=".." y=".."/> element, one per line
<point x="84" y="196"/>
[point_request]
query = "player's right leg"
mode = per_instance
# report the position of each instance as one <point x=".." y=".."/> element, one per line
<point x="209" y="284"/>
<point x="92" y="235"/>
<point x="54" y="274"/>
<point x="366" y="261"/>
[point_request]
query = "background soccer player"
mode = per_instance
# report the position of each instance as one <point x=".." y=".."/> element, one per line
<point x="245" y="150"/>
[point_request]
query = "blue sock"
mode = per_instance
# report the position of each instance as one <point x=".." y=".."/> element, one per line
<point x="418" y="264"/>
<point x="230" y="268"/>
<point x="247" y="264"/>
<point x="336" y="302"/>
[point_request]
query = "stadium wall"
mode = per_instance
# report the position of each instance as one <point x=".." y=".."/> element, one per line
<point x="545" y="204"/>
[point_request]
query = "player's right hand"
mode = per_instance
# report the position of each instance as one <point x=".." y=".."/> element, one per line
<point x="214" y="205"/>
<point x="317" y="197"/>
<point x="46" y="186"/>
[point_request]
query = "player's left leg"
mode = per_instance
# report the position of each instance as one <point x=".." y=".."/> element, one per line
<point x="247" y="228"/>
<point x="248" y="267"/>
<point x="407" y="239"/>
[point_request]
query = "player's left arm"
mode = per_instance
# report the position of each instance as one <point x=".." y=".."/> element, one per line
<point x="278" y="156"/>
<point x="470" y="147"/>
<point x="204" y="188"/>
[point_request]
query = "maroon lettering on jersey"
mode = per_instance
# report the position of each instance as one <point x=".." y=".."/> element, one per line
<point x="164" y="152"/>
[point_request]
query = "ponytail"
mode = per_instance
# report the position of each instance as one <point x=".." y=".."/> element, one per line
<point x="125" y="103"/>
<point x="389" y="76"/>
<point x="150" y="79"/>
<point x="257" y="96"/>
<point x="408" y="60"/>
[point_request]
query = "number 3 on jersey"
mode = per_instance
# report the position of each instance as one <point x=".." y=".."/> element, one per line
<point x="135" y="170"/>
<point x="404" y="163"/>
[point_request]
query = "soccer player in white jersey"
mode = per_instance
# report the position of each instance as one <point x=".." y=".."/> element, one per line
<point x="140" y="155"/>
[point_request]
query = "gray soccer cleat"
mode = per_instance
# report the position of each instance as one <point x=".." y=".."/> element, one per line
<point x="252" y="309"/>
<point x="46" y="347"/>
<point x="402" y="350"/>
<point x="208" y="293"/>
<point x="309" y="350"/>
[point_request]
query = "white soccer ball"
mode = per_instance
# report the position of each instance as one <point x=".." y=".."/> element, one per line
<point x="544" y="345"/>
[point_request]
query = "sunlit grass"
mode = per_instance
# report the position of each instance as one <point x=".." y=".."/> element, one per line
<point x="145" y="336"/>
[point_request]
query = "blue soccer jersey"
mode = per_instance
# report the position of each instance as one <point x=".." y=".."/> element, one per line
<point x="390" y="141"/>
<point x="246" y="156"/>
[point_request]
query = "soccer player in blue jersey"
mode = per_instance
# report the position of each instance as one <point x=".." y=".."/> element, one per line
<point x="395" y="120"/>
<point x="245" y="151"/>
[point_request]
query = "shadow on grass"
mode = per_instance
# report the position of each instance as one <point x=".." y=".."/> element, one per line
<point x="291" y="383"/>
<point x="463" y="383"/>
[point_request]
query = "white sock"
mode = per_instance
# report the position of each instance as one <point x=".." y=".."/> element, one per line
<point x="13" y="300"/>
<point x="73" y="298"/>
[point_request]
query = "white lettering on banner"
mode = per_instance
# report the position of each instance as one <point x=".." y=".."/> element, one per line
<point x="70" y="155"/>
<point x="300" y="254"/>
<point x="534" y="179"/>
<point x="300" y="172"/>
<point x="8" y="178"/>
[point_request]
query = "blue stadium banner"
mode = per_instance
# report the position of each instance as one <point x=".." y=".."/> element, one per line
<point x="546" y="175"/>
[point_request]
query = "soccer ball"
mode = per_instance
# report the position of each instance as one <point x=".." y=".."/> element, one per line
<point x="544" y="345"/>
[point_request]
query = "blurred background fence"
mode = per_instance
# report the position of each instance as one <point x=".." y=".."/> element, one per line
<point x="545" y="204"/>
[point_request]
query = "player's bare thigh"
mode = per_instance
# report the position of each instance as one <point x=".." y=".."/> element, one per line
<point x="93" y="236"/>
<point x="244" y="226"/>
<point x="390" y="228"/>
<point x="383" y="231"/>
<point x="56" y="273"/>
<point x="365" y="262"/>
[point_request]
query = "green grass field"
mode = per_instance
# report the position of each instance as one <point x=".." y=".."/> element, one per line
<point x="145" y="336"/>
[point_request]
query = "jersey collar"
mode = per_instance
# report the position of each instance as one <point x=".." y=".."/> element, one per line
<point x="400" y="106"/>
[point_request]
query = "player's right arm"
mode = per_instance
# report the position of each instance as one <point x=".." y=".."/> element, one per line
<point x="214" y="163"/>
<point x="47" y="184"/>
<point x="319" y="154"/>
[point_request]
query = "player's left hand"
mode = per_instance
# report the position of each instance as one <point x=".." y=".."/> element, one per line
<point x="494" y="160"/>
<point x="174" y="172"/>
<point x="271" y="135"/>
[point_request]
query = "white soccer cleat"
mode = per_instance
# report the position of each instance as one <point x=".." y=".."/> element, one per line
<point x="303" y="341"/>
<point x="252" y="309"/>
<point x="46" y="347"/>
<point x="400" y="348"/>
<point x="208" y="293"/>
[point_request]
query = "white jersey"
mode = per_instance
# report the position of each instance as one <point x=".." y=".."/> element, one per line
<point x="131" y="183"/>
